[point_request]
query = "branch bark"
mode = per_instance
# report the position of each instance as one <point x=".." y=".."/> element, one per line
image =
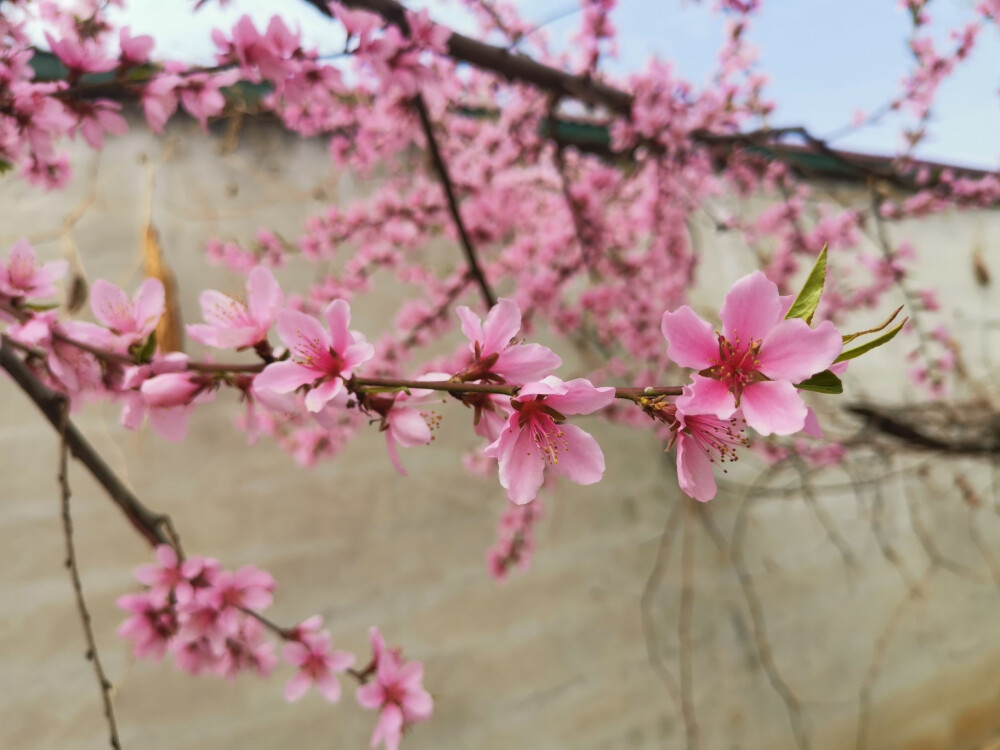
<point x="156" y="528"/>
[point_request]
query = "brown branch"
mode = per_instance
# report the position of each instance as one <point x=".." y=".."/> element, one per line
<point x="893" y="426"/>
<point x="489" y="298"/>
<point x="454" y="386"/>
<point x="93" y="655"/>
<point x="514" y="67"/>
<point x="156" y="528"/>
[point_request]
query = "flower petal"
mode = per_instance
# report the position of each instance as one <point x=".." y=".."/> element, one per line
<point x="408" y="428"/>
<point x="522" y="468"/>
<point x="707" y="396"/>
<point x="690" y="340"/>
<point x="320" y="396"/>
<point x="472" y="326"/>
<point x="526" y="362"/>
<point x="793" y="351"/>
<point x="751" y="308"/>
<point x="773" y="407"/>
<point x="264" y="296"/>
<point x="302" y="333"/>
<point x="502" y="324"/>
<point x="284" y="377"/>
<point x="296" y="687"/>
<point x="581" y="397"/>
<point x="328" y="686"/>
<point x="338" y="319"/>
<point x="580" y="459"/>
<point x="694" y="470"/>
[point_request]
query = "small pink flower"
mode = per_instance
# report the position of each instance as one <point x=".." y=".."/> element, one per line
<point x="703" y="440"/>
<point x="320" y="358"/>
<point x="756" y="361"/>
<point x="317" y="664"/>
<point x="498" y="355"/>
<point x="130" y="320"/>
<point x="173" y="577"/>
<point x="231" y="324"/>
<point x="97" y="118"/>
<point x="135" y="49"/>
<point x="22" y="277"/>
<point x="247" y="588"/>
<point x="398" y="694"/>
<point x="80" y="55"/>
<point x="248" y="649"/>
<point x="151" y="626"/>
<point x="536" y="435"/>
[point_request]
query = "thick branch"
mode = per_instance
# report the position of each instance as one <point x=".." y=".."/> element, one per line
<point x="512" y="66"/>
<point x="895" y="427"/>
<point x="155" y="527"/>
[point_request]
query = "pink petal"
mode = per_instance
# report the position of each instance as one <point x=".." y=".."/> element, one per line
<point x="110" y="305"/>
<point x="223" y="338"/>
<point x="773" y="407"/>
<point x="410" y="674"/>
<point x="357" y="354"/>
<point x="393" y="451"/>
<point x="794" y="351"/>
<point x="264" y="296"/>
<point x="370" y="695"/>
<point x="547" y="386"/>
<point x="296" y="653"/>
<point x="751" y="308"/>
<point x="521" y="467"/>
<point x="170" y="424"/>
<point x="320" y="396"/>
<point x="408" y="428"/>
<point x="298" y="686"/>
<point x="694" y="470"/>
<point x="150" y="303"/>
<point x="338" y="318"/>
<point x="581" y="397"/>
<point x="340" y="661"/>
<point x="526" y="362"/>
<point x="220" y="309"/>
<point x="472" y="326"/>
<point x="707" y="396"/>
<point x="690" y="340"/>
<point x="417" y="705"/>
<point x="389" y="728"/>
<point x="580" y="460"/>
<point x="297" y="329"/>
<point x="328" y="686"/>
<point x="811" y="427"/>
<point x="502" y="324"/>
<point x="284" y="377"/>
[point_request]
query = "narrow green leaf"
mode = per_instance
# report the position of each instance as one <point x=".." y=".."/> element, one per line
<point x="808" y="300"/>
<point x="147" y="350"/>
<point x="823" y="382"/>
<point x="40" y="307"/>
<point x="851" y="336"/>
<point x="5" y="166"/>
<point x="885" y="338"/>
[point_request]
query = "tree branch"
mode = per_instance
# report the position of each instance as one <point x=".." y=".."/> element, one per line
<point x="74" y="571"/>
<point x="156" y="528"/>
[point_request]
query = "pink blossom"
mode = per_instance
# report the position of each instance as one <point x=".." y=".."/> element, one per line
<point x="321" y="358"/>
<point x="247" y="588"/>
<point x="398" y="694"/>
<point x="160" y="99"/>
<point x="498" y="356"/>
<point x="317" y="663"/>
<point x="703" y="440"/>
<point x="22" y="277"/>
<point x="537" y="435"/>
<point x="174" y="577"/>
<point x="165" y="392"/>
<point x="135" y="49"/>
<point x="248" y="649"/>
<point x="232" y="324"/>
<point x="201" y="96"/>
<point x="151" y="625"/>
<point x="80" y="55"/>
<point x="99" y="117"/>
<point x="756" y="361"/>
<point x="130" y="320"/>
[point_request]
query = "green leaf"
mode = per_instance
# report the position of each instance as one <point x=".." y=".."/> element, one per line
<point x="146" y="351"/>
<point x="851" y="336"/>
<point x="808" y="300"/>
<point x="885" y="338"/>
<point x="823" y="382"/>
<point x="39" y="307"/>
<point x="5" y="166"/>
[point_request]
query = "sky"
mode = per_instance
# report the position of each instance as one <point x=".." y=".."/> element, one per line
<point x="825" y="58"/>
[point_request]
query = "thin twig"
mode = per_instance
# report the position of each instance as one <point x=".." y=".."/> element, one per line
<point x="489" y="298"/>
<point x="67" y="521"/>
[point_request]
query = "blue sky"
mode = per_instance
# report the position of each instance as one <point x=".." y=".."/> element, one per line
<point x="825" y="58"/>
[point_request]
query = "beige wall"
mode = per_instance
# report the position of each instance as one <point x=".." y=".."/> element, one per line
<point x="554" y="659"/>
